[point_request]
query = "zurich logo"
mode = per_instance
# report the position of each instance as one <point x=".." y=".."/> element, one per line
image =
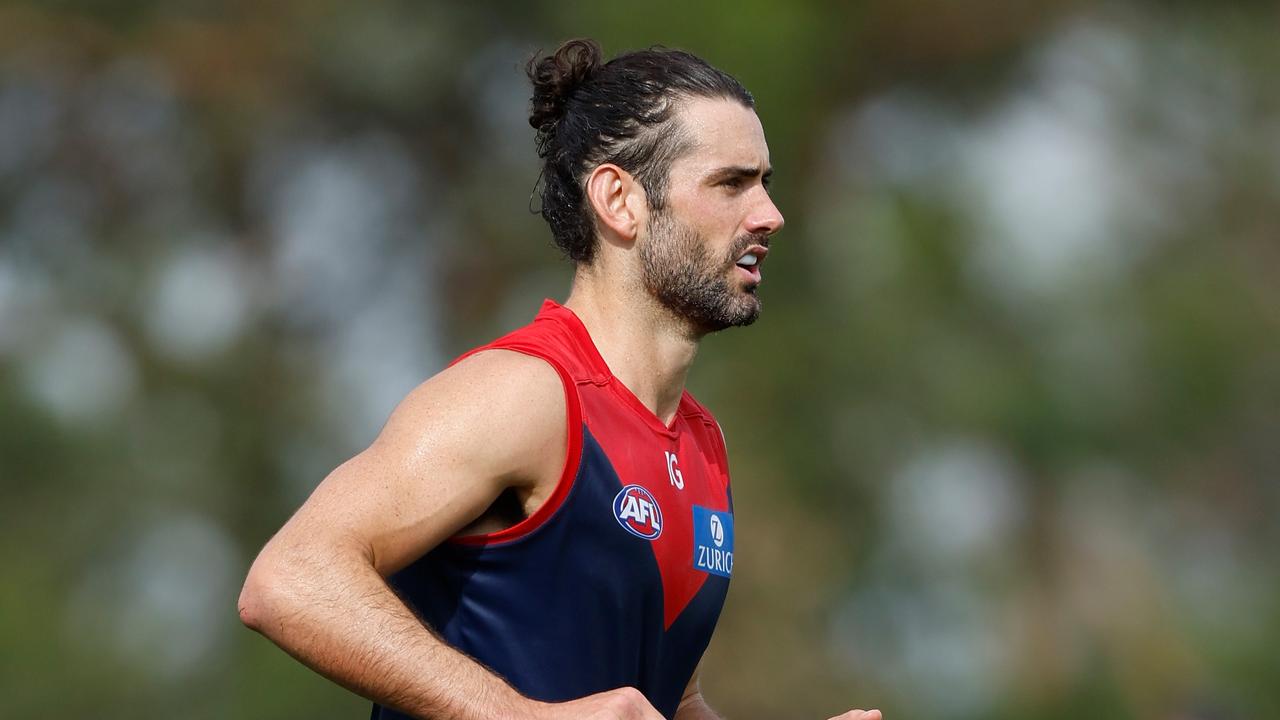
<point x="638" y="512"/>
<point x="717" y="530"/>
<point x="713" y="541"/>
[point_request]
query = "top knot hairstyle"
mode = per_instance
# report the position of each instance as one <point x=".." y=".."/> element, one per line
<point x="588" y="112"/>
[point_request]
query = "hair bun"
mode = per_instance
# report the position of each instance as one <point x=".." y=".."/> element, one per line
<point x="556" y="77"/>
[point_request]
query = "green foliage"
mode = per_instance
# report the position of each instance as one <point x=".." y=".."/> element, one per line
<point x="1003" y="440"/>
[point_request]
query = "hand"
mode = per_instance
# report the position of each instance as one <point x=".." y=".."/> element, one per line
<point x="626" y="703"/>
<point x="860" y="715"/>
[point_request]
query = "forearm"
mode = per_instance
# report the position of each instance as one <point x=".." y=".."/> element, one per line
<point x="694" y="707"/>
<point x="338" y="616"/>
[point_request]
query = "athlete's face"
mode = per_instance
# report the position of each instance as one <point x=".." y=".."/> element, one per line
<point x="703" y="251"/>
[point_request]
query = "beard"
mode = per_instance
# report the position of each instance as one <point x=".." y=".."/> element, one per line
<point x="681" y="274"/>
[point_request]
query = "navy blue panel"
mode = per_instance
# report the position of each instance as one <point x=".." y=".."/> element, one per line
<point x="573" y="608"/>
<point x="684" y="643"/>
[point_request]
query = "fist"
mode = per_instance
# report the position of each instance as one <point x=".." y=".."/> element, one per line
<point x="625" y="703"/>
<point x="860" y="715"/>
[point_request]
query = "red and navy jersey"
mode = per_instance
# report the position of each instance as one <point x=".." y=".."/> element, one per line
<point x="618" y="578"/>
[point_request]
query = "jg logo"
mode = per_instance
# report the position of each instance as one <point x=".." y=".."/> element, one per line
<point x="717" y="530"/>
<point x="673" y="472"/>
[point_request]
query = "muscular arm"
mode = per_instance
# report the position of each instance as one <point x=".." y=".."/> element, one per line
<point x="493" y="422"/>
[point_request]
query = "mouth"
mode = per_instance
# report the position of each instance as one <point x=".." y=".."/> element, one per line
<point x="750" y="261"/>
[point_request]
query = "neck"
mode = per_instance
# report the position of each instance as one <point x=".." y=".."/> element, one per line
<point x="646" y="348"/>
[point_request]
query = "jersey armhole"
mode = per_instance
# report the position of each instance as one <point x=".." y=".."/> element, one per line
<point x="724" y="449"/>
<point x="724" y="454"/>
<point x="572" y="460"/>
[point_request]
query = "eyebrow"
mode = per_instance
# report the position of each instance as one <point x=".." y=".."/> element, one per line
<point x="736" y="171"/>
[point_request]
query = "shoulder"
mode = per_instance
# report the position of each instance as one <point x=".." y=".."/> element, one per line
<point x="500" y="377"/>
<point x="700" y="418"/>
<point x="695" y="412"/>
<point x="499" y="408"/>
<point x="506" y="385"/>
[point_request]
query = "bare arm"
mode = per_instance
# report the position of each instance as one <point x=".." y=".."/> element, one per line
<point x="692" y="705"/>
<point x="318" y="589"/>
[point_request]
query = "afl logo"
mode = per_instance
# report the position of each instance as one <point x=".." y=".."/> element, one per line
<point x="638" y="512"/>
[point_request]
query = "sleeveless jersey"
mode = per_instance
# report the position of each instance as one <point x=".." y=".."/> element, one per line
<point x="618" y="578"/>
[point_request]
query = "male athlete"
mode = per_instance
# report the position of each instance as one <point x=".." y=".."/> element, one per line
<point x="545" y="529"/>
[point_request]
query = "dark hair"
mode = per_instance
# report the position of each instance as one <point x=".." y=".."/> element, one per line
<point x="588" y="112"/>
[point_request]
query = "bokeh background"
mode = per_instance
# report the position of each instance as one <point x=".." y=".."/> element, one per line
<point x="1006" y="441"/>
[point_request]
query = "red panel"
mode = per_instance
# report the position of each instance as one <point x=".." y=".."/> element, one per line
<point x="638" y="452"/>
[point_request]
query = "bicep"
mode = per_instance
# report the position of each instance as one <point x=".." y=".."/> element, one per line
<point x="494" y="421"/>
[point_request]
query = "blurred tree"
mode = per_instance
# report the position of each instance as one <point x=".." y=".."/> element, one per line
<point x="1003" y="439"/>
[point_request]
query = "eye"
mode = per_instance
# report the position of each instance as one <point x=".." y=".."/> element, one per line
<point x="733" y="182"/>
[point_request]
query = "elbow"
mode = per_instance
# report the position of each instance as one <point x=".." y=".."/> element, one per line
<point x="250" y="606"/>
<point x="260" y="598"/>
<point x="285" y="585"/>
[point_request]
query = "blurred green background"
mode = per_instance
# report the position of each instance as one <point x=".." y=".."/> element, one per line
<point x="1005" y="441"/>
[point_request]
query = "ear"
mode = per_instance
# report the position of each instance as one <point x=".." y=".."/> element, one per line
<point x="617" y="200"/>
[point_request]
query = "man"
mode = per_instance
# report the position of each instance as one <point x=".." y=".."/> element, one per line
<point x="544" y="529"/>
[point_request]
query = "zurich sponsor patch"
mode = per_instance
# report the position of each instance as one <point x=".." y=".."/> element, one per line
<point x="713" y="541"/>
<point x="638" y="512"/>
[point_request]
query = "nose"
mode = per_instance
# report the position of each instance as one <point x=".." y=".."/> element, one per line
<point x="765" y="218"/>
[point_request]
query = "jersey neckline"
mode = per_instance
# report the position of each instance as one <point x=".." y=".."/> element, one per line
<point x="569" y="319"/>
